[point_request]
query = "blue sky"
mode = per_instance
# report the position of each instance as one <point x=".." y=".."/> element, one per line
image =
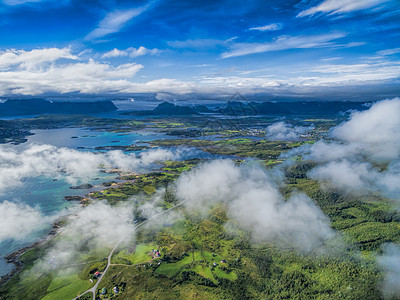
<point x="316" y="48"/>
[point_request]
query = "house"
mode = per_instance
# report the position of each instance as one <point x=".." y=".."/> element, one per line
<point x="158" y="254"/>
<point x="96" y="275"/>
<point x="115" y="289"/>
<point x="103" y="291"/>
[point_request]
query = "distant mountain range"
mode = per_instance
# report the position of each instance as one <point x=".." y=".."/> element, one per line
<point x="239" y="108"/>
<point x="170" y="109"/>
<point x="20" y="107"/>
<point x="290" y="108"/>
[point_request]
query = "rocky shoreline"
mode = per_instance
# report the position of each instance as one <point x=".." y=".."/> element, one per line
<point x="14" y="257"/>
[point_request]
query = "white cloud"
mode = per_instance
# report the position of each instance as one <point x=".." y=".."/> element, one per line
<point x="115" y="21"/>
<point x="270" y="27"/>
<point x="142" y="51"/>
<point x="34" y="58"/>
<point x="61" y="71"/>
<point x="325" y="152"/>
<point x="20" y="2"/>
<point x="283" y="43"/>
<point x="133" y="52"/>
<point x="387" y="52"/>
<point x="366" y="154"/>
<point x="253" y="200"/>
<point x="286" y="132"/>
<point x="198" y="43"/>
<point x="345" y="74"/>
<point x="345" y="174"/>
<point x="95" y="227"/>
<point x="341" y="6"/>
<point x="19" y="220"/>
<point x="45" y="70"/>
<point x="115" y="53"/>
<point x="72" y="165"/>
<point x="376" y="129"/>
<point x="390" y="262"/>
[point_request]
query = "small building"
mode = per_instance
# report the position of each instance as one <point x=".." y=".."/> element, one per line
<point x="223" y="261"/>
<point x="115" y="289"/>
<point x="158" y="254"/>
<point x="96" y="275"/>
<point x="103" y="291"/>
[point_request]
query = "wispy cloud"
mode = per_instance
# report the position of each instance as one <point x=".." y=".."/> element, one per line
<point x="199" y="43"/>
<point x="20" y="2"/>
<point x="132" y="52"/>
<point x="284" y="43"/>
<point x="341" y="6"/>
<point x="115" y="21"/>
<point x="270" y="27"/>
<point x="387" y="52"/>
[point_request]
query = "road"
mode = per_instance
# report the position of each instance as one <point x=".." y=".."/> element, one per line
<point x="94" y="288"/>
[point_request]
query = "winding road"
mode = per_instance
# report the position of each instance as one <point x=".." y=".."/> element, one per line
<point x="94" y="288"/>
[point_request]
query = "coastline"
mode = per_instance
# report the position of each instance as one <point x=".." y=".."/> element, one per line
<point x="14" y="257"/>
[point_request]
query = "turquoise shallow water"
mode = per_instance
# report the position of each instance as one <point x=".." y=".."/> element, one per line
<point x="84" y="137"/>
<point x="48" y="195"/>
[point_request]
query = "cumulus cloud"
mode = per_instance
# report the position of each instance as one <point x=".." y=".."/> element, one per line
<point x="324" y="152"/>
<point x="270" y="27"/>
<point x="345" y="174"/>
<point x="70" y="164"/>
<point x="390" y="262"/>
<point x="254" y="201"/>
<point x="283" y="131"/>
<point x="50" y="70"/>
<point x="31" y="59"/>
<point x="341" y="6"/>
<point x="19" y="220"/>
<point x="114" y="53"/>
<point x="97" y="226"/>
<point x="132" y="52"/>
<point x="376" y="130"/>
<point x="365" y="153"/>
<point x="54" y="70"/>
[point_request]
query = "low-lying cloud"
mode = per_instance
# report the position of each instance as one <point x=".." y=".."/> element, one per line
<point x="365" y="153"/>
<point x="375" y="130"/>
<point x="254" y="201"/>
<point x="19" y="220"/>
<point x="95" y="227"/>
<point x="70" y="164"/>
<point x="283" y="131"/>
<point x="390" y="262"/>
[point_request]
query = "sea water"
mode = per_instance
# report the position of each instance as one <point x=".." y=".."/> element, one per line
<point x="48" y="194"/>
